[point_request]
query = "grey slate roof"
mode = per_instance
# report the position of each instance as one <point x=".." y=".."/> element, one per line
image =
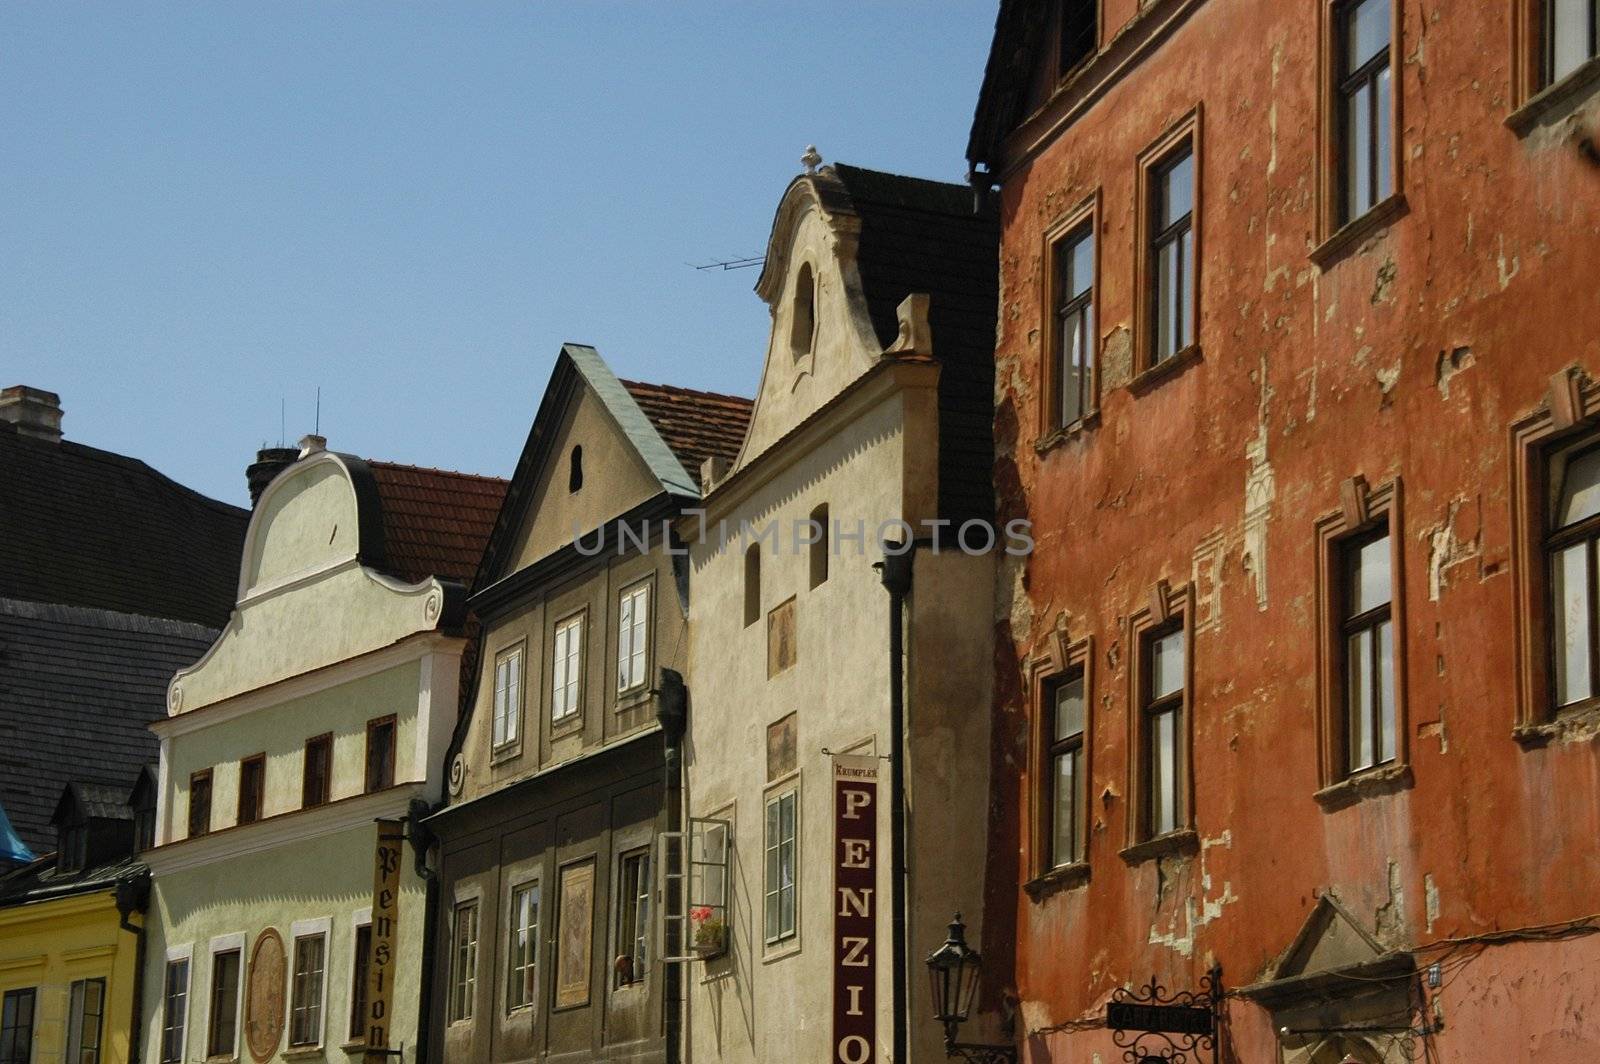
<point x="87" y="527"/>
<point x="42" y="880"/>
<point x="78" y="687"/>
<point x="924" y="236"/>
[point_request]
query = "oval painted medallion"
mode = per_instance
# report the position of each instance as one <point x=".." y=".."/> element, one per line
<point x="263" y="1003"/>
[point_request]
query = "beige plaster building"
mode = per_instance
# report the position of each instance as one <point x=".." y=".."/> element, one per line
<point x="325" y="704"/>
<point x="874" y="409"/>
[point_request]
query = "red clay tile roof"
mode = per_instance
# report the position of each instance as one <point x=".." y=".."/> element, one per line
<point x="435" y="522"/>
<point x="695" y="425"/>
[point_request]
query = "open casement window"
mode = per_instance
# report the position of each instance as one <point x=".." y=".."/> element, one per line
<point x="633" y="638"/>
<point x="1162" y="768"/>
<point x="522" y="947"/>
<point x="634" y="887"/>
<point x="85" y="1022"/>
<point x="694" y="890"/>
<point x="1360" y="617"/>
<point x="463" y="960"/>
<point x="507" y="724"/>
<point x="566" y="669"/>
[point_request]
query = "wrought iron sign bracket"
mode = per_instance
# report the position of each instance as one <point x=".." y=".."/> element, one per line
<point x="977" y="1053"/>
<point x="1152" y="1025"/>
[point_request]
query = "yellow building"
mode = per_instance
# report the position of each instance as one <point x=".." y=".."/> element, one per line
<point x="71" y="925"/>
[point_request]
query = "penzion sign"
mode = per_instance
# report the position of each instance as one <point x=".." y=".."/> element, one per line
<point x="855" y="913"/>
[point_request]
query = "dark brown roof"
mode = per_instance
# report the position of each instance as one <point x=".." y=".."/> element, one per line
<point x="436" y="522"/>
<point x="1019" y="34"/>
<point x="695" y="425"/>
<point x="87" y="527"/>
<point x="920" y="236"/>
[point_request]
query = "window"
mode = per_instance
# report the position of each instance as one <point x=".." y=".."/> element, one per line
<point x="380" y="754"/>
<point x="752" y="584"/>
<point x="252" y="785"/>
<point x="222" y="1036"/>
<point x="175" y="1010"/>
<point x="803" y="326"/>
<point x="199" y="803"/>
<point x="305" y="995"/>
<point x="359" y="966"/>
<point x="779" y="920"/>
<point x="85" y="1017"/>
<point x="16" y="1026"/>
<point x="1072" y="343"/>
<point x="1067" y="780"/>
<point x="633" y="918"/>
<point x="1171" y="255"/>
<point x="74" y="845"/>
<point x="144" y="828"/>
<point x="1571" y="36"/>
<point x="507" y="725"/>
<point x="1368" y="652"/>
<point x="522" y="949"/>
<point x="566" y="669"/>
<point x="1080" y="33"/>
<point x="575" y="471"/>
<point x="318" y="770"/>
<point x="1364" y="98"/>
<point x="1162" y="722"/>
<point x="633" y="633"/>
<point x="819" y="546"/>
<point x="464" y="961"/>
<point x="1570" y="546"/>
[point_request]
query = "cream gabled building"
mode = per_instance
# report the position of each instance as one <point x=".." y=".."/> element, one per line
<point x="325" y="704"/>
<point x="875" y="407"/>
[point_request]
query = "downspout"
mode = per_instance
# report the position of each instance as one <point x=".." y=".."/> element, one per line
<point x="895" y="572"/>
<point x="133" y="895"/>
<point x="422" y="839"/>
<point x="672" y="711"/>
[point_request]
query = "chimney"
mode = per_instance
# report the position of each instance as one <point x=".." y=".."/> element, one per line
<point x="34" y="411"/>
<point x="270" y="461"/>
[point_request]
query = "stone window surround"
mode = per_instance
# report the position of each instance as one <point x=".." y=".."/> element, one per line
<point x="1055" y="660"/>
<point x="1362" y="509"/>
<point x="1166" y="606"/>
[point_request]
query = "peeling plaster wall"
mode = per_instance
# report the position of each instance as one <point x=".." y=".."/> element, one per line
<point x="1410" y="355"/>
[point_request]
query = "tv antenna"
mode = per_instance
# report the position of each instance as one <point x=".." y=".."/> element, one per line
<point x="738" y="263"/>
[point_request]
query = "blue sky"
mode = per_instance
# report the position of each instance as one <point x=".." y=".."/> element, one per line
<point x="208" y="210"/>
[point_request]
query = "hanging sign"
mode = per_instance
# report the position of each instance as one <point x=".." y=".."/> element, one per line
<point x="381" y="967"/>
<point x="855" y="908"/>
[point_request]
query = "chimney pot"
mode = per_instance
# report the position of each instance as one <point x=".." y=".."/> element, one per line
<point x="270" y="461"/>
<point x="311" y="444"/>
<point x="34" y="411"/>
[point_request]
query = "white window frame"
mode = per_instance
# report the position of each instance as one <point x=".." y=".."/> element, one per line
<point x="227" y="944"/>
<point x="358" y="919"/>
<point x="509" y="682"/>
<point x="634" y="604"/>
<point x="319" y="927"/>
<point x="566" y="668"/>
<point x="184" y="953"/>
<point x="699" y="882"/>
<point x="769" y="889"/>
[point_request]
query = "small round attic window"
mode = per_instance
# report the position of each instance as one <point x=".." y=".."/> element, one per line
<point x="803" y="315"/>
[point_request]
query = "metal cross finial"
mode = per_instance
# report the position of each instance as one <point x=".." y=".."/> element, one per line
<point x="811" y="159"/>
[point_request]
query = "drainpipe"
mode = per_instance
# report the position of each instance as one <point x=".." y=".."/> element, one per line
<point x="672" y="712"/>
<point x="422" y="839"/>
<point x="895" y="572"/>
<point x="133" y="895"/>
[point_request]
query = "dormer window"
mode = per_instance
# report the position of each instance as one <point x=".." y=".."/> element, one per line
<point x="803" y="316"/>
<point x="74" y="846"/>
<point x="575" y="471"/>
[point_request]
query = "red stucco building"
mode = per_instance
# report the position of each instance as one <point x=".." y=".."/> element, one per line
<point x="1297" y="379"/>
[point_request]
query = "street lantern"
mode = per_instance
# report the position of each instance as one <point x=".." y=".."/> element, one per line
<point x="953" y="971"/>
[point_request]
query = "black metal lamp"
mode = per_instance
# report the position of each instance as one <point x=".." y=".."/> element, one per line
<point x="953" y="971"/>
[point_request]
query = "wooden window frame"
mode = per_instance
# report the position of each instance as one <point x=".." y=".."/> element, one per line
<point x="296" y="1002"/>
<point x="1082" y="219"/>
<point x="1064" y="69"/>
<point x="574" y="712"/>
<point x="1363" y="511"/>
<point x="389" y="758"/>
<point x="1057" y="662"/>
<point x="514" y="971"/>
<point x="1568" y="417"/>
<point x="325" y="740"/>
<point x="512" y="739"/>
<point x="204" y="775"/>
<point x="258" y="761"/>
<point x="178" y="1025"/>
<point x="782" y="938"/>
<point x="1168" y="609"/>
<point x="360" y="969"/>
<point x="1186" y="131"/>
<point x="461" y="1002"/>
<point x="627" y="933"/>
<point x="642" y="681"/>
<point x="1336" y="234"/>
<point x="21" y="1030"/>
<point x="78" y="1052"/>
<point x="1533" y="54"/>
<point x="231" y="1050"/>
